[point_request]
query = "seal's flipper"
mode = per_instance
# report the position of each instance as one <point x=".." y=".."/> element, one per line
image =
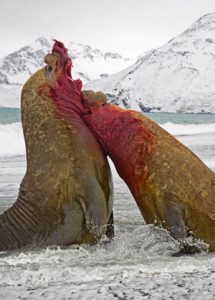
<point x="95" y="213"/>
<point x="178" y="230"/>
<point x="187" y="249"/>
<point x="110" y="227"/>
<point x="174" y="219"/>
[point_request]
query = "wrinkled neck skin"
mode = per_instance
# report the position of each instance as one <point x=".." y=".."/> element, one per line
<point x="125" y="141"/>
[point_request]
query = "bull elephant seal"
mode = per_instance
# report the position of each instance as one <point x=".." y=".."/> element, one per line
<point x="66" y="194"/>
<point x="171" y="185"/>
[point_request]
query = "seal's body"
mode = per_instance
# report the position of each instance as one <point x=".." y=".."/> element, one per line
<point x="66" y="194"/>
<point x="171" y="185"/>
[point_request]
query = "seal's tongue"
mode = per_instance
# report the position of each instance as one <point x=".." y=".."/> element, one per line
<point x="65" y="62"/>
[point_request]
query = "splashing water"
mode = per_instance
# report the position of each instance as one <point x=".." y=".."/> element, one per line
<point x="137" y="264"/>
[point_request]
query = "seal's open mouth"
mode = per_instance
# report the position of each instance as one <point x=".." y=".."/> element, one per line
<point x="59" y="59"/>
<point x="58" y="76"/>
<point x="65" y="91"/>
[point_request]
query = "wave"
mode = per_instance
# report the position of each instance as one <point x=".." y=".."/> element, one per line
<point x="12" y="140"/>
<point x="188" y="129"/>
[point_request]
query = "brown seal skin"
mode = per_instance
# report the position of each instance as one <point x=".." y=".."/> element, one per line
<point x="172" y="187"/>
<point x="66" y="194"/>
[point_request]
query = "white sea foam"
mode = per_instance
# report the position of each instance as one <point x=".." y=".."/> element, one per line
<point x="11" y="140"/>
<point x="137" y="264"/>
<point x="188" y="129"/>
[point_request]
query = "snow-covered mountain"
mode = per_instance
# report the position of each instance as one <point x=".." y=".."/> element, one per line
<point x="178" y="77"/>
<point x="89" y="64"/>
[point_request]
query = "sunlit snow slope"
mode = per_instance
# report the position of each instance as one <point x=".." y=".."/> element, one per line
<point x="178" y="77"/>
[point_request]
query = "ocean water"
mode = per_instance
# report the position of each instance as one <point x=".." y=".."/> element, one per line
<point x="137" y="264"/>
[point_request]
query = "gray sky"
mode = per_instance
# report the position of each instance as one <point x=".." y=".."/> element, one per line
<point x="129" y="27"/>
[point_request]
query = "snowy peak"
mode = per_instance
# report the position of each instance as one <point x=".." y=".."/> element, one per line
<point x="177" y="77"/>
<point x="90" y="63"/>
<point x="19" y="65"/>
<point x="202" y="27"/>
<point x="87" y="51"/>
<point x="199" y="36"/>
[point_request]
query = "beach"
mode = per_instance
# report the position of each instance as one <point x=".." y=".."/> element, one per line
<point x="137" y="264"/>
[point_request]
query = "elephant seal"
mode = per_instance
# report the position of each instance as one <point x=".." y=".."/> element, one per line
<point x="66" y="194"/>
<point x="172" y="187"/>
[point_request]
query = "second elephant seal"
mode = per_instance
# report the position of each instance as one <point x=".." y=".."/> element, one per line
<point x="172" y="187"/>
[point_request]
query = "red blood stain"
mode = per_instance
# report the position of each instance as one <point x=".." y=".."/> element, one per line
<point x="65" y="61"/>
<point x="120" y="132"/>
<point x="124" y="138"/>
<point x="66" y="92"/>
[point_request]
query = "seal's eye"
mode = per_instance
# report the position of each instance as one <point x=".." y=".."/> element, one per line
<point x="48" y="68"/>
